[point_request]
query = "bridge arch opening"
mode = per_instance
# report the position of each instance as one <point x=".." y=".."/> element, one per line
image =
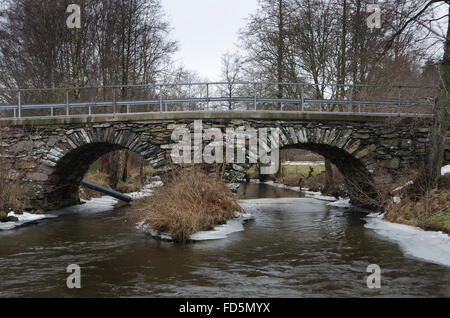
<point x="359" y="183"/>
<point x="71" y="169"/>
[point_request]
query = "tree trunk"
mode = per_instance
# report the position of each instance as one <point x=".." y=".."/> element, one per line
<point x="114" y="167"/>
<point x="126" y="165"/>
<point x="440" y="126"/>
<point x="104" y="164"/>
<point x="330" y="186"/>
<point x="141" y="171"/>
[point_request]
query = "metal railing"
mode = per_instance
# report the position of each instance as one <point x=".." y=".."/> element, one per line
<point x="218" y="96"/>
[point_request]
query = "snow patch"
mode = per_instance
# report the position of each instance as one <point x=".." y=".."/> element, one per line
<point x="303" y="163"/>
<point x="445" y="170"/>
<point x="430" y="246"/>
<point x="233" y="186"/>
<point x="23" y="219"/>
<point x="401" y="187"/>
<point x="146" y="191"/>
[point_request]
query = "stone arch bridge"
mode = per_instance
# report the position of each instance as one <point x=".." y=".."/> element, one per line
<point x="49" y="156"/>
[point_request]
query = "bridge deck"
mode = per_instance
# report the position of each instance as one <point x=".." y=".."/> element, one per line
<point x="268" y="115"/>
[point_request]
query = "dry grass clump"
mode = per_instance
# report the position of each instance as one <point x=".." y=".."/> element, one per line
<point x="190" y="202"/>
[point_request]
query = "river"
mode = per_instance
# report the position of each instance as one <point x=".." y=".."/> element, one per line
<point x="294" y="246"/>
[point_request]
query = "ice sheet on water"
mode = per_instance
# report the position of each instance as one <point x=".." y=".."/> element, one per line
<point x="319" y="196"/>
<point x="430" y="246"/>
<point x="222" y="231"/>
<point x="219" y="232"/>
<point x="341" y="203"/>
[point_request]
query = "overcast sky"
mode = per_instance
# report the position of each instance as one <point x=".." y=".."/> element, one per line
<point x="206" y="29"/>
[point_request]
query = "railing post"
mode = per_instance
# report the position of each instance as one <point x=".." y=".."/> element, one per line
<point x="160" y="99"/>
<point x="207" y="96"/>
<point x="189" y="97"/>
<point x="51" y="112"/>
<point x="19" y="103"/>
<point x="303" y="97"/>
<point x="351" y="99"/>
<point x="399" y="100"/>
<point x="67" y="103"/>
<point x="114" y="100"/>
<point x="254" y="96"/>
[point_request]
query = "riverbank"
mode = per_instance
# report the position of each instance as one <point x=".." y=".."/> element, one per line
<point x="429" y="211"/>
<point x="402" y="204"/>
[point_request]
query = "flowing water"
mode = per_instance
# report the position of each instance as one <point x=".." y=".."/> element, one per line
<point x="294" y="247"/>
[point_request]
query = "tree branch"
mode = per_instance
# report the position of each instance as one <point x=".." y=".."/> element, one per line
<point x="389" y="44"/>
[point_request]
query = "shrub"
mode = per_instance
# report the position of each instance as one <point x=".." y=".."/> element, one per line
<point x="191" y="201"/>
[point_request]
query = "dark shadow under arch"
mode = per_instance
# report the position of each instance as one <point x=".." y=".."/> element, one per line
<point x="359" y="180"/>
<point x="70" y="170"/>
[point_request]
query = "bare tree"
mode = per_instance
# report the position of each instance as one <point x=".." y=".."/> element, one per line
<point x="422" y="14"/>
<point x="329" y="42"/>
<point x="231" y="74"/>
<point x="120" y="42"/>
<point x="265" y="41"/>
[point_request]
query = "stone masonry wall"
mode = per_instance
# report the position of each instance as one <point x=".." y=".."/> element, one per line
<point x="50" y="160"/>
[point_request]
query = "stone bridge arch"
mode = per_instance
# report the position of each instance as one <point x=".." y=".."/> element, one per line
<point x="354" y="156"/>
<point x="71" y="155"/>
